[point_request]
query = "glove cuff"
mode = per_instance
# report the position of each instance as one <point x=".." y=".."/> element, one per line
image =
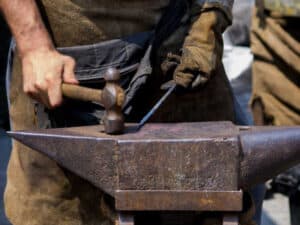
<point x="205" y="40"/>
<point x="225" y="6"/>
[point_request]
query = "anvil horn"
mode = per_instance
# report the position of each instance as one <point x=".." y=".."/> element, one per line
<point x="268" y="151"/>
<point x="183" y="156"/>
<point x="79" y="154"/>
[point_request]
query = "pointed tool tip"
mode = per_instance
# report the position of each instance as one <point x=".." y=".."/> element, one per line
<point x="13" y="133"/>
<point x="18" y="135"/>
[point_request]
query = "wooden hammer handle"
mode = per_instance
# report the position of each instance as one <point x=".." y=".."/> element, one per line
<point x="82" y="93"/>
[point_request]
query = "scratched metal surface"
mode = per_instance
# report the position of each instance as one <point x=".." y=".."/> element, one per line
<point x="153" y="131"/>
<point x="183" y="156"/>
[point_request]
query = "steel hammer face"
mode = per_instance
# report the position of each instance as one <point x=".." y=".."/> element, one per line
<point x="113" y="98"/>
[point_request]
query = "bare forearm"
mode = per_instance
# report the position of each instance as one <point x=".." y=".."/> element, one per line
<point x="43" y="67"/>
<point x="26" y="25"/>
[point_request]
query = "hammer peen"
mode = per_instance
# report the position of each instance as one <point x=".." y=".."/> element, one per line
<point x="111" y="97"/>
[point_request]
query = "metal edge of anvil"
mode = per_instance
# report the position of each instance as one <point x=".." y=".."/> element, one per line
<point x="153" y="131"/>
<point x="172" y="200"/>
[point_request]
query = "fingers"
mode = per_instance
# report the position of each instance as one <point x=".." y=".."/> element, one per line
<point x="54" y="92"/>
<point x="43" y="74"/>
<point x="46" y="91"/>
<point x="42" y="98"/>
<point x="183" y="79"/>
<point x="69" y="68"/>
<point x="189" y="73"/>
<point x="188" y="80"/>
<point x="169" y="65"/>
<point x="32" y="85"/>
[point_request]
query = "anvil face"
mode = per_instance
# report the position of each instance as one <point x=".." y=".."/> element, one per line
<point x="183" y="156"/>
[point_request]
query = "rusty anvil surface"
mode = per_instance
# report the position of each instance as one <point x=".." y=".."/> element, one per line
<point x="174" y="164"/>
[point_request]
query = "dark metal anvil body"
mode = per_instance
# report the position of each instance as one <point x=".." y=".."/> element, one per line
<point x="180" y="166"/>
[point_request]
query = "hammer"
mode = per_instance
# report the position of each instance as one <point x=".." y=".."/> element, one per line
<point x="111" y="97"/>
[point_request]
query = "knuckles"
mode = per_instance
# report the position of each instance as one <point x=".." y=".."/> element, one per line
<point x="50" y="80"/>
<point x="42" y="78"/>
<point x="29" y="90"/>
<point x="41" y="85"/>
<point x="69" y="61"/>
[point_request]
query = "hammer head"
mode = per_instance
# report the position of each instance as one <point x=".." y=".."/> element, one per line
<point x="113" y="99"/>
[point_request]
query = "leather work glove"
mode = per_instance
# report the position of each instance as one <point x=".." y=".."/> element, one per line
<point x="202" y="49"/>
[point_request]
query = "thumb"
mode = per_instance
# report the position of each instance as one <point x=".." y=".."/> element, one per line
<point x="68" y="73"/>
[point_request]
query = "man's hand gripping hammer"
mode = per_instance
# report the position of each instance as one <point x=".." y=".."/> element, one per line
<point x="112" y="98"/>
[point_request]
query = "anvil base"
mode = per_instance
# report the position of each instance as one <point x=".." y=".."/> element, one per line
<point x="178" y="207"/>
<point x="177" y="218"/>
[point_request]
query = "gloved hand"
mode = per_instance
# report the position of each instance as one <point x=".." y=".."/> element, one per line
<point x="202" y="50"/>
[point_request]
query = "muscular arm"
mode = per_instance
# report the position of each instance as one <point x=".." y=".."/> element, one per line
<point x="43" y="67"/>
<point x="26" y="25"/>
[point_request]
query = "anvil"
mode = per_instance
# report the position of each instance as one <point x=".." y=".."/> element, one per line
<point x="177" y="166"/>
